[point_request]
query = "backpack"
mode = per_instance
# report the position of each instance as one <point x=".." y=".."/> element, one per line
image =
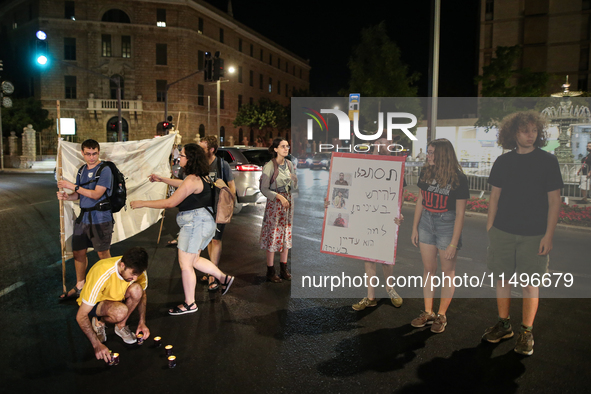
<point x="276" y="172"/>
<point x="116" y="200"/>
<point x="222" y="201"/>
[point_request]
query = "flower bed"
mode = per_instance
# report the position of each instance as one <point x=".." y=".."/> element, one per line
<point x="569" y="214"/>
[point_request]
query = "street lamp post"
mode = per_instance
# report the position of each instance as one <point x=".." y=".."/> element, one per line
<point x="218" y="87"/>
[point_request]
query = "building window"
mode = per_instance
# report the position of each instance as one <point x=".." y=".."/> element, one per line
<point x="270" y="84"/>
<point x="261" y="81"/>
<point x="584" y="59"/>
<point x="116" y="16"/>
<point x="251" y="78"/>
<point x="251" y="50"/>
<point x="221" y="35"/>
<point x="126" y="47"/>
<point x="239" y="74"/>
<point x="240" y="44"/>
<point x="222" y="99"/>
<point x="270" y="59"/>
<point x="586" y="5"/>
<point x="251" y="101"/>
<point x="70" y="84"/>
<point x="261" y="57"/>
<point x="113" y="86"/>
<point x="200" y="26"/>
<point x="200" y="95"/>
<point x="70" y="9"/>
<point x="200" y="60"/>
<point x="161" y="17"/>
<point x="69" y="48"/>
<point x="239" y="101"/>
<point x="583" y="82"/>
<point x="106" y="45"/>
<point x="161" y="90"/>
<point x="278" y="87"/>
<point x="161" y="58"/>
<point x="489" y="12"/>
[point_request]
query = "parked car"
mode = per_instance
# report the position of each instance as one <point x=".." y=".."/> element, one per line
<point x="260" y="156"/>
<point x="305" y="160"/>
<point x="246" y="177"/>
<point x="320" y="161"/>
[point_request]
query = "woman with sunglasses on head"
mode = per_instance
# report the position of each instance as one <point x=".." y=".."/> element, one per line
<point x="277" y="182"/>
<point x="192" y="197"/>
<point x="437" y="226"/>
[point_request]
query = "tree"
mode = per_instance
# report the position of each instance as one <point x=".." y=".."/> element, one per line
<point x="377" y="71"/>
<point x="264" y="115"/>
<point x="24" y="112"/>
<point x="501" y="79"/>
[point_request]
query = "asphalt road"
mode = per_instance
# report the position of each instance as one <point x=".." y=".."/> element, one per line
<point x="258" y="338"/>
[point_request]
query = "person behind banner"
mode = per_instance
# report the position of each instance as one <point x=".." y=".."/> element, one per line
<point x="523" y="210"/>
<point x="94" y="227"/>
<point x="114" y="288"/>
<point x="192" y="197"/>
<point x="437" y="226"/>
<point x="278" y="218"/>
<point x="218" y="168"/>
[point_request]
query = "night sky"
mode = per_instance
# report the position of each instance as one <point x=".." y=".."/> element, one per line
<point x="326" y="31"/>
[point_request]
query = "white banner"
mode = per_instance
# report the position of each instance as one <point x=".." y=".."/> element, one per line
<point x="136" y="160"/>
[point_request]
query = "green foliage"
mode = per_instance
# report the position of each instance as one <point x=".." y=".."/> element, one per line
<point x="24" y="112"/>
<point x="265" y="114"/>
<point x="501" y="79"/>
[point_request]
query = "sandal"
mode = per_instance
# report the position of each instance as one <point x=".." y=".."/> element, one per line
<point x="227" y="283"/>
<point x="204" y="279"/>
<point x="178" y="311"/>
<point x="173" y="242"/>
<point x="213" y="286"/>
<point x="74" y="293"/>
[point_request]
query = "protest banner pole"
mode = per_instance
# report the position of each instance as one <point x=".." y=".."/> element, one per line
<point x="61" y="202"/>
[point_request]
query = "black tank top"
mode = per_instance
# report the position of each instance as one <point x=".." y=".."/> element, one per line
<point x="200" y="200"/>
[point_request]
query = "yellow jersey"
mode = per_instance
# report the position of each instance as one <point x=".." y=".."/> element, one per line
<point x="103" y="283"/>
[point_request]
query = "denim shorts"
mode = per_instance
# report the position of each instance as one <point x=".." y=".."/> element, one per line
<point x="437" y="228"/>
<point x="197" y="230"/>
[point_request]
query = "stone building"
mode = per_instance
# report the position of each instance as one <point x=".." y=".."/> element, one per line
<point x="555" y="36"/>
<point x="148" y="44"/>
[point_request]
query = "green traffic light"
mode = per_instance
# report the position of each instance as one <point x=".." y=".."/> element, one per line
<point x="42" y="60"/>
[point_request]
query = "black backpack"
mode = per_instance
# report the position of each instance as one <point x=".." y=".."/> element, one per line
<point x="116" y="200"/>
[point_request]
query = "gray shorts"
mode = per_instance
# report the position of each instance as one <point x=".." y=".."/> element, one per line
<point x="197" y="230"/>
<point x="509" y="253"/>
<point x="584" y="182"/>
<point x="437" y="228"/>
<point x="99" y="238"/>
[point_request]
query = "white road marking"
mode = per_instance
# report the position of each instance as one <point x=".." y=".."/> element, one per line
<point x="308" y="238"/>
<point x="11" y="288"/>
<point x="36" y="203"/>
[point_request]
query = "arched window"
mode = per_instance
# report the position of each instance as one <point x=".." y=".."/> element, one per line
<point x="113" y="85"/>
<point x="222" y="136"/>
<point x="113" y="130"/>
<point x="116" y="16"/>
<point x="201" y="131"/>
<point x="240" y="136"/>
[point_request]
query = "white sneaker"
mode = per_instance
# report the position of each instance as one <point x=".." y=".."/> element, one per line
<point x="99" y="330"/>
<point x="126" y="334"/>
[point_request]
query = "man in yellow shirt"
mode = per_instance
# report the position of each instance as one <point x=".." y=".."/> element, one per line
<point x="114" y="288"/>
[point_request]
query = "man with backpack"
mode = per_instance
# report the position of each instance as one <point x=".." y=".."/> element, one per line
<point x="218" y="168"/>
<point x="94" y="226"/>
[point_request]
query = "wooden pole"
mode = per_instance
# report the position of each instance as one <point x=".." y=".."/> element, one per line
<point x="61" y="202"/>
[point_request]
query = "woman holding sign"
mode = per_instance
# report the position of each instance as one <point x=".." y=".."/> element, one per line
<point x="437" y="226"/>
<point x="277" y="182"/>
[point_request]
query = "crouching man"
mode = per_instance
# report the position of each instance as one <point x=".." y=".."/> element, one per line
<point x="114" y="288"/>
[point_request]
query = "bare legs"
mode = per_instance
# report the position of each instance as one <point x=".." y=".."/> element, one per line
<point x="530" y="302"/>
<point x="118" y="312"/>
<point x="189" y="262"/>
<point x="429" y="256"/>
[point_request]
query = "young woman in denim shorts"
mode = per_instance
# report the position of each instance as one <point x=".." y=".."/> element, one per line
<point x="437" y="226"/>
<point x="197" y="225"/>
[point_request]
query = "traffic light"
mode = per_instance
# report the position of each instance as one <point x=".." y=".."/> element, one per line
<point x="41" y="53"/>
<point x="163" y="127"/>
<point x="218" y="69"/>
<point x="208" y="68"/>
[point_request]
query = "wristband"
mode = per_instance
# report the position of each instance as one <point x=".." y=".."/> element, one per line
<point x="453" y="245"/>
<point x="76" y="188"/>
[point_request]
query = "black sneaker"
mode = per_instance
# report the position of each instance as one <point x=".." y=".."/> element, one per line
<point x="525" y="343"/>
<point x="497" y="332"/>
